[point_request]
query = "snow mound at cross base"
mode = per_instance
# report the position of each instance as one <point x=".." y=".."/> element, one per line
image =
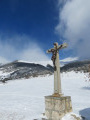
<point x="71" y="116"/>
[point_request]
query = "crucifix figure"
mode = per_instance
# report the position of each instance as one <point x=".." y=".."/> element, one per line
<point x="56" y="64"/>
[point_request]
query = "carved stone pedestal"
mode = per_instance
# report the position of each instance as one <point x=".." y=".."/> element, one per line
<point x="57" y="107"/>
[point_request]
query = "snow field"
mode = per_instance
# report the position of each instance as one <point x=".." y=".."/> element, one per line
<point x="24" y="99"/>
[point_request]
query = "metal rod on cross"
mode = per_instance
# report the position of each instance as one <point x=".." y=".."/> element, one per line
<point x="56" y="64"/>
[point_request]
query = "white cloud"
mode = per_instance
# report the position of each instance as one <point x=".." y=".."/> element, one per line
<point x="3" y="60"/>
<point x="69" y="59"/>
<point x="30" y="51"/>
<point x="74" y="26"/>
<point x="8" y="51"/>
<point x="33" y="53"/>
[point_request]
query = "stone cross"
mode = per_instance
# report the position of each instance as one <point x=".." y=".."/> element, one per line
<point x="56" y="63"/>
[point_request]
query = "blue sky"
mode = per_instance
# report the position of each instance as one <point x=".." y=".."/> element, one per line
<point x="29" y="27"/>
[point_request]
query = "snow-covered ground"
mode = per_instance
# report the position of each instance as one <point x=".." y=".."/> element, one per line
<point x="24" y="99"/>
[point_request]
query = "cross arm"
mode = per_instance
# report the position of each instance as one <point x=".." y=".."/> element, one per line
<point x="50" y="50"/>
<point x="64" y="45"/>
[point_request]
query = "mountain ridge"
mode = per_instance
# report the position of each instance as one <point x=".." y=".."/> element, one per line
<point x="20" y="69"/>
<point x="17" y="70"/>
<point x="77" y="66"/>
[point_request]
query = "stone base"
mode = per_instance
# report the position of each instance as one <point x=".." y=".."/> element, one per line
<point x="57" y="107"/>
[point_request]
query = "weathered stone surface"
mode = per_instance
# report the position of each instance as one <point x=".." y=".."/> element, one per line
<point x="75" y="117"/>
<point x="56" y="64"/>
<point x="57" y="107"/>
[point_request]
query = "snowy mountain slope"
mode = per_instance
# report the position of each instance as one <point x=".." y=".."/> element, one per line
<point x="24" y="69"/>
<point x="24" y="99"/>
<point x="76" y="66"/>
<point x="44" y="63"/>
<point x="17" y="69"/>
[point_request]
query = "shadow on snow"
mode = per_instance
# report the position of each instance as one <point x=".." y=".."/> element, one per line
<point x="85" y="113"/>
<point x="86" y="88"/>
